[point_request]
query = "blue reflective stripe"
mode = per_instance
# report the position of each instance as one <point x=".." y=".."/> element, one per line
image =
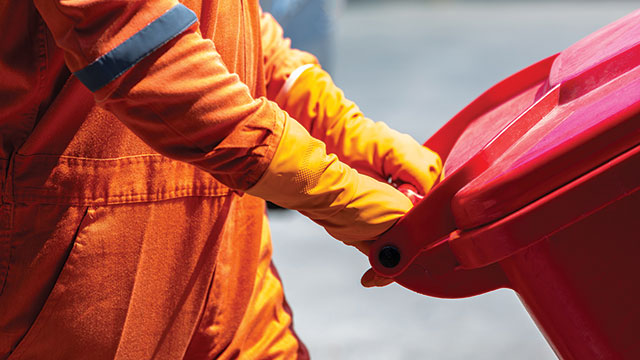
<point x="114" y="63"/>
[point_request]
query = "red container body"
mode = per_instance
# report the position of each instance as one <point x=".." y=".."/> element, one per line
<point x="541" y="195"/>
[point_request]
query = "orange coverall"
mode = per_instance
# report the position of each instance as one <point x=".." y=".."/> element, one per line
<point x="177" y="264"/>
<point x="111" y="245"/>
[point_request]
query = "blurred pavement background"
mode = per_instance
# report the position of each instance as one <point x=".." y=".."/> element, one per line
<point x="414" y="65"/>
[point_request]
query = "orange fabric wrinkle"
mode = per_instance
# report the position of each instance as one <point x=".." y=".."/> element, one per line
<point x="110" y="247"/>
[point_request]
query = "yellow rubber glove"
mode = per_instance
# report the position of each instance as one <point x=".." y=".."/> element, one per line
<point x="352" y="207"/>
<point x="311" y="97"/>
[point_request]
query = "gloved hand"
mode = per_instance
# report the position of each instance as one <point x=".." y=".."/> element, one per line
<point x="311" y="97"/>
<point x="352" y="207"/>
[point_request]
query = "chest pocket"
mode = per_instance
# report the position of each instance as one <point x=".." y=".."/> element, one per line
<point x="93" y="182"/>
<point x="79" y="154"/>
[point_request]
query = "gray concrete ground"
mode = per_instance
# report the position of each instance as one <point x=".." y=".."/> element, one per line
<point x="414" y="66"/>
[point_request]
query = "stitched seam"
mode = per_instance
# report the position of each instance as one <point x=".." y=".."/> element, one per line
<point x="194" y="187"/>
<point x="123" y="198"/>
<point x="152" y="158"/>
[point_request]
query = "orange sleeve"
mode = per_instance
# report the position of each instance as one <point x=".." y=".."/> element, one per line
<point x="280" y="60"/>
<point x="146" y="62"/>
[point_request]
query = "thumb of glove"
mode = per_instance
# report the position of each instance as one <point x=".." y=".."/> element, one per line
<point x="371" y="279"/>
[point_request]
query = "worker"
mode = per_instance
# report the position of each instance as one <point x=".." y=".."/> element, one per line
<point x="139" y="142"/>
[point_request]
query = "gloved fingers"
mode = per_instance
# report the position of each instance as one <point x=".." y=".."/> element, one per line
<point x="419" y="167"/>
<point x="409" y="191"/>
<point x="372" y="279"/>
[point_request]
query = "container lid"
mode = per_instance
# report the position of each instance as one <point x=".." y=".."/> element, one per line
<point x="586" y="113"/>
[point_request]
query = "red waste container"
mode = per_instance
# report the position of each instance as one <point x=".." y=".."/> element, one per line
<point x="541" y="196"/>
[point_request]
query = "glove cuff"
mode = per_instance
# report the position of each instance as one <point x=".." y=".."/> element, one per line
<point x="350" y="206"/>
